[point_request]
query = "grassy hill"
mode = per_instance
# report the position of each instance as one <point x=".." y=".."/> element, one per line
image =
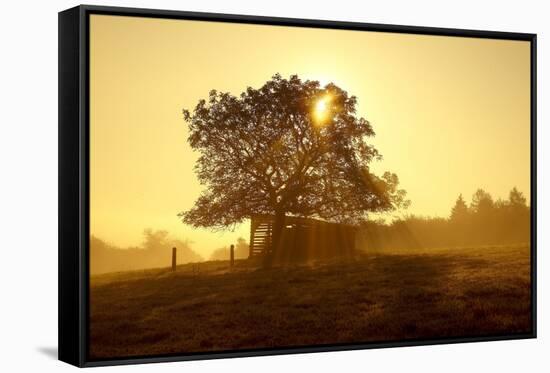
<point x="383" y="297"/>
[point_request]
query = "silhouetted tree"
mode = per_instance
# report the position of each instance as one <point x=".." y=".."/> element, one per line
<point x="482" y="202"/>
<point x="517" y="199"/>
<point x="154" y="240"/>
<point x="460" y="210"/>
<point x="487" y="222"/>
<point x="222" y="253"/>
<point x="156" y="251"/>
<point x="241" y="249"/>
<point x="289" y="147"/>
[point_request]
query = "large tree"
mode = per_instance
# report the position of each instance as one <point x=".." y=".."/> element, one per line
<point x="290" y="147"/>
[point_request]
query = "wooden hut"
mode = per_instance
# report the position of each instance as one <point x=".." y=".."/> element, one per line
<point x="302" y="239"/>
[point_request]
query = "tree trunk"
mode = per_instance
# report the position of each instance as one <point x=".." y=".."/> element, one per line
<point x="276" y="236"/>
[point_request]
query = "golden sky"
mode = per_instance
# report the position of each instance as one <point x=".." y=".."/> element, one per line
<point x="451" y="114"/>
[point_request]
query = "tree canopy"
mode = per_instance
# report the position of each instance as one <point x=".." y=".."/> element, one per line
<point x="488" y="221"/>
<point x="482" y="202"/>
<point x="459" y="210"/>
<point x="517" y="199"/>
<point x="290" y="147"/>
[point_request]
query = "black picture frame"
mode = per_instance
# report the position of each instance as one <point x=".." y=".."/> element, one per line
<point x="74" y="174"/>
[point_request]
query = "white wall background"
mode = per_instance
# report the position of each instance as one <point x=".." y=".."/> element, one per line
<point x="28" y="184"/>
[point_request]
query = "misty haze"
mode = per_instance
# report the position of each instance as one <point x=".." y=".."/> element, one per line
<point x="319" y="187"/>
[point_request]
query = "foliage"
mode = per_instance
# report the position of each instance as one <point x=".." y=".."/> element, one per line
<point x="156" y="251"/>
<point x="241" y="251"/>
<point x="485" y="222"/>
<point x="460" y="210"/>
<point x="267" y="152"/>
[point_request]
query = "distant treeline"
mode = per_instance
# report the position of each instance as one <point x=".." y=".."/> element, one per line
<point x="156" y="251"/>
<point x="241" y="251"/>
<point x="483" y="222"/>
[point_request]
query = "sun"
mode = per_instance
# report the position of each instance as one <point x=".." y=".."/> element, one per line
<point x="321" y="106"/>
<point x="322" y="109"/>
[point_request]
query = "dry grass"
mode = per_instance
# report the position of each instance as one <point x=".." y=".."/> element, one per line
<point x="434" y="294"/>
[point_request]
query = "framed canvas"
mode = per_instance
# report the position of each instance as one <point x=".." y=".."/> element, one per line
<point x="235" y="186"/>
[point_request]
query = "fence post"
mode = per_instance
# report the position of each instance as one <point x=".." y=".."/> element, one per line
<point x="232" y="255"/>
<point x="173" y="259"/>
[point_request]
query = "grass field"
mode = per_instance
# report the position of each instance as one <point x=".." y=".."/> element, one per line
<point x="207" y="307"/>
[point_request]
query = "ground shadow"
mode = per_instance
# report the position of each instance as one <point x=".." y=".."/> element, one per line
<point x="372" y="299"/>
